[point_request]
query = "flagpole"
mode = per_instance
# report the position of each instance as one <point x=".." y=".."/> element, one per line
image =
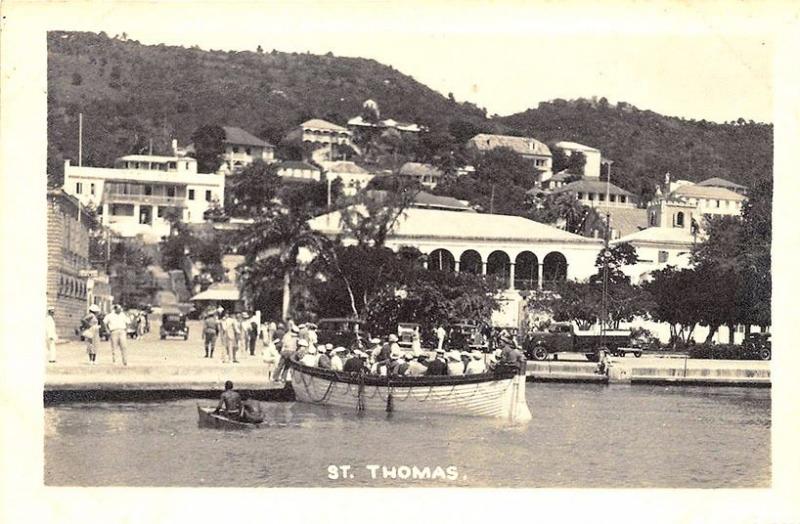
<point x="80" y="139"/>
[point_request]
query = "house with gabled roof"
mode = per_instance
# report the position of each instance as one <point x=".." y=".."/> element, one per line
<point x="527" y="147"/>
<point x="242" y="149"/>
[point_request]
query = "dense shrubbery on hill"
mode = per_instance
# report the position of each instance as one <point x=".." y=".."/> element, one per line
<point x="132" y="93"/>
<point x="644" y="145"/>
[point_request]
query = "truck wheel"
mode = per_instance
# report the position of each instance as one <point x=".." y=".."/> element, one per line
<point x="765" y="354"/>
<point x="637" y="354"/>
<point x="539" y="353"/>
<point x="163" y="337"/>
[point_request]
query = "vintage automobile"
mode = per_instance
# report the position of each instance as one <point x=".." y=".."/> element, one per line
<point x="757" y="346"/>
<point x="173" y="325"/>
<point x="405" y="332"/>
<point x="346" y="332"/>
<point x="562" y="337"/>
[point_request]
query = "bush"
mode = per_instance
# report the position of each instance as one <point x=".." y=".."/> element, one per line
<point x="723" y="352"/>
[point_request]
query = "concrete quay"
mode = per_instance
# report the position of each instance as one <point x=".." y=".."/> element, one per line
<point x="751" y="373"/>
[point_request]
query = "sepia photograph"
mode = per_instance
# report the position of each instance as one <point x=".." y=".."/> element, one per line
<point x="305" y="246"/>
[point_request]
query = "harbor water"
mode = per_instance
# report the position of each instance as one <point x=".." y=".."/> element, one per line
<point x="581" y="435"/>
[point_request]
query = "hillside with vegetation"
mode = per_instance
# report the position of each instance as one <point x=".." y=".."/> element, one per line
<point x="132" y="94"/>
<point x="644" y="145"/>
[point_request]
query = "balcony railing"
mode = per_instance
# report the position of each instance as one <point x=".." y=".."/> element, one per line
<point x="156" y="200"/>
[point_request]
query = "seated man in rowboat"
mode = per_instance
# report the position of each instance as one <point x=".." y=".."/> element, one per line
<point x="356" y="363"/>
<point x="230" y="402"/>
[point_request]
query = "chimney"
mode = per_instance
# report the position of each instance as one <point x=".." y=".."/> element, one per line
<point x="175" y="146"/>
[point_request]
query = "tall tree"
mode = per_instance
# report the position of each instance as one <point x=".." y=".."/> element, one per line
<point x="209" y="146"/>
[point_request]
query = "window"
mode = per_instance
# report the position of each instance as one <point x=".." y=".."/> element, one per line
<point x="171" y="191"/>
<point x="148" y="190"/>
<point x="247" y="150"/>
<point x="679" y="219"/>
<point x="172" y="165"/>
<point x="718" y="204"/>
<point x="125" y="210"/>
<point x="208" y="195"/>
<point x="580" y="196"/>
<point x="235" y="149"/>
<point x="652" y="218"/>
<point x="623" y="199"/>
<point x="191" y="194"/>
<point x="79" y="188"/>
<point x="601" y="197"/>
<point x="590" y="196"/>
<point x="91" y="189"/>
<point x="663" y="256"/>
<point x="612" y="198"/>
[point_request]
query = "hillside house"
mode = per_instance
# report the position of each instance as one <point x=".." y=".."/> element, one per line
<point x="529" y="148"/>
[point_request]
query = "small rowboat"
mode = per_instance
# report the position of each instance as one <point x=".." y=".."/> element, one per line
<point x="497" y="394"/>
<point x="207" y="418"/>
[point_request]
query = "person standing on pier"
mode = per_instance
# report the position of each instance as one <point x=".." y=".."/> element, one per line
<point x="440" y="335"/>
<point x="288" y="347"/>
<point x="91" y="334"/>
<point x="50" y="335"/>
<point x="210" y="333"/>
<point x="117" y="325"/>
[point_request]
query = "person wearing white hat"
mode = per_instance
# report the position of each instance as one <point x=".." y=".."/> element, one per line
<point x="417" y="366"/>
<point x="437" y="366"/>
<point x="476" y="364"/>
<point x="356" y="363"/>
<point x="454" y="364"/>
<point x="91" y="333"/>
<point x="416" y="344"/>
<point x="289" y="344"/>
<point x="50" y="334"/>
<point x="324" y="360"/>
<point x="336" y="358"/>
<point x="310" y="356"/>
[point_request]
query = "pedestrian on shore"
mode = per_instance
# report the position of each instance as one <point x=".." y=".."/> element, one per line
<point x="440" y="336"/>
<point x="288" y="348"/>
<point x="50" y="334"/>
<point x="117" y="325"/>
<point x="230" y="326"/>
<point x="416" y="344"/>
<point x="210" y="333"/>
<point x="91" y="333"/>
<point x="269" y="352"/>
<point x="254" y="324"/>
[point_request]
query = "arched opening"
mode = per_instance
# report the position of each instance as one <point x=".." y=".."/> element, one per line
<point x="555" y="267"/>
<point x="526" y="271"/>
<point x="470" y="262"/>
<point x="499" y="265"/>
<point x="679" y="219"/>
<point x="441" y="260"/>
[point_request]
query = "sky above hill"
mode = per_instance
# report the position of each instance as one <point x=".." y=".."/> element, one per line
<point x="709" y="62"/>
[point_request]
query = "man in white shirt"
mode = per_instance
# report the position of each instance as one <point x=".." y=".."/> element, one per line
<point x="50" y="335"/>
<point x="117" y="325"/>
<point x="336" y="360"/>
<point x="476" y="365"/>
<point x="440" y="334"/>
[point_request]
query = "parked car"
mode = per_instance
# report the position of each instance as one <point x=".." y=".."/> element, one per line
<point x="758" y="346"/>
<point x="562" y="336"/>
<point x="405" y="332"/>
<point x="173" y="325"/>
<point x="346" y="332"/>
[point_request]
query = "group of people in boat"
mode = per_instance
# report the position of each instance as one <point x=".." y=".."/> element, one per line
<point x="386" y="357"/>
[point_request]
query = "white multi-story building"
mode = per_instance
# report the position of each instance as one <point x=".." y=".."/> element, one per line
<point x="529" y="148"/>
<point x="354" y="177"/>
<point x="320" y="131"/>
<point x="242" y="149"/>
<point x="593" y="157"/>
<point x="133" y="197"/>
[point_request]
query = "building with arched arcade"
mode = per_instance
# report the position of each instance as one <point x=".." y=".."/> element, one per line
<point x="523" y="253"/>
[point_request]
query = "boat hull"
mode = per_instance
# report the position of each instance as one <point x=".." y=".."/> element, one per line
<point x="207" y="418"/>
<point x="496" y="395"/>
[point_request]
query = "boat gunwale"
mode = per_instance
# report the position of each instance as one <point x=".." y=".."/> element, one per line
<point x="503" y="373"/>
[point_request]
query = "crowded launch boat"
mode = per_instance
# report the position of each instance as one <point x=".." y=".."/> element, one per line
<point x="497" y="393"/>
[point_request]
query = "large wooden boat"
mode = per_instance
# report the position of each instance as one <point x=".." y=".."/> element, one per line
<point x="208" y="418"/>
<point x="498" y="394"/>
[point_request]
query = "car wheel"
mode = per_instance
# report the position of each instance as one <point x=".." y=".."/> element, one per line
<point x="765" y="354"/>
<point x="539" y="353"/>
<point x="637" y="354"/>
<point x="163" y="337"/>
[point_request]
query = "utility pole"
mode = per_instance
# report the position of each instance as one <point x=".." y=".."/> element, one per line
<point x="491" y="202"/>
<point x="80" y="139"/>
<point x="604" y="301"/>
<point x="608" y="181"/>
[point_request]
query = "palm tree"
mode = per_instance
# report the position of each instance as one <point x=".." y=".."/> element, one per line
<point x="271" y="246"/>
